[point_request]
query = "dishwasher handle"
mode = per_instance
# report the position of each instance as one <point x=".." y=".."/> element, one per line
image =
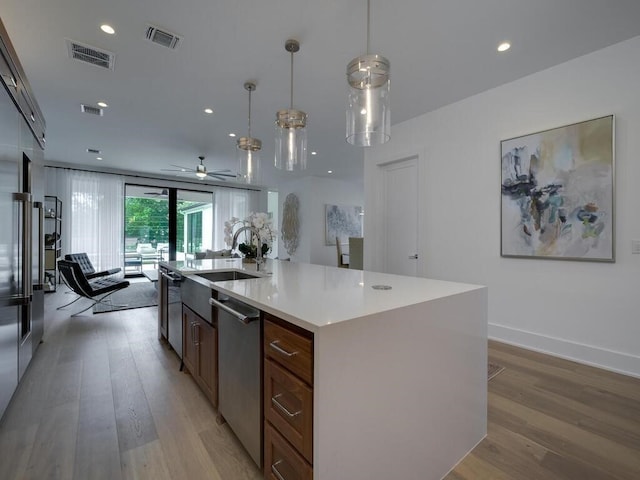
<point x="171" y="276"/>
<point x="241" y="317"/>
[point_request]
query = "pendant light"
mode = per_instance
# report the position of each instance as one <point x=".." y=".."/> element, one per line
<point x="291" y="132"/>
<point x="249" y="150"/>
<point x="368" y="112"/>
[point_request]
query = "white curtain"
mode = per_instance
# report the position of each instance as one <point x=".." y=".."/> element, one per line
<point x="227" y="203"/>
<point x="92" y="206"/>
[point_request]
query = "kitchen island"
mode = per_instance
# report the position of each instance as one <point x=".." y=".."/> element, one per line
<point x="398" y="384"/>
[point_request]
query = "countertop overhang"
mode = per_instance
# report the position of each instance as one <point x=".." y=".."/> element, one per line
<point x="316" y="296"/>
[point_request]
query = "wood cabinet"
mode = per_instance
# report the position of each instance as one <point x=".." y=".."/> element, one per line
<point x="281" y="460"/>
<point x="288" y="400"/>
<point x="199" y="352"/>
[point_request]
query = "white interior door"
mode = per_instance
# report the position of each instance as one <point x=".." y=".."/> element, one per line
<point x="401" y="217"/>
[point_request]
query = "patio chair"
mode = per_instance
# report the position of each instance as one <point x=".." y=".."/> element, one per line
<point x="96" y="290"/>
<point x="147" y="253"/>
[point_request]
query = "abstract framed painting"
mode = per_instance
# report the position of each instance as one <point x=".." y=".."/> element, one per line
<point x="342" y="222"/>
<point x="557" y="192"/>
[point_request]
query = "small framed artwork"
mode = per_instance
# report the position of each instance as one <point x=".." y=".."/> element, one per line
<point x="342" y="222"/>
<point x="557" y="193"/>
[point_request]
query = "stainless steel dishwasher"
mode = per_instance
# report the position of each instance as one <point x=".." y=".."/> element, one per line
<point x="171" y="308"/>
<point x="239" y="375"/>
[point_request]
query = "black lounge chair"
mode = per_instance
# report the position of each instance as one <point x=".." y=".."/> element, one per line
<point x="88" y="270"/>
<point x="87" y="267"/>
<point x="96" y="290"/>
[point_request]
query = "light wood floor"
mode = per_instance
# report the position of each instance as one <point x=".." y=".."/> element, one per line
<point x="554" y="419"/>
<point x="104" y="399"/>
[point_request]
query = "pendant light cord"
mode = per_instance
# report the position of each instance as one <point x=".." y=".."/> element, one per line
<point x="291" y="102"/>
<point x="368" y="23"/>
<point x="250" y="113"/>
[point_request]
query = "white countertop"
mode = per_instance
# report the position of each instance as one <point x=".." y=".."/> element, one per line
<point x="314" y="296"/>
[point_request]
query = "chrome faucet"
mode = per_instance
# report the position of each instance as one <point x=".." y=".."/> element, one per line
<point x="254" y="231"/>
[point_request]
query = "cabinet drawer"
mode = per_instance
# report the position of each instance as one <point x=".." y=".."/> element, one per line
<point x="289" y="349"/>
<point x="281" y="461"/>
<point x="288" y="405"/>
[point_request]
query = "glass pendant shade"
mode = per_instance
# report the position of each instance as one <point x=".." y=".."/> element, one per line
<point x="291" y="129"/>
<point x="368" y="111"/>
<point x="249" y="150"/>
<point x="291" y="140"/>
<point x="249" y="160"/>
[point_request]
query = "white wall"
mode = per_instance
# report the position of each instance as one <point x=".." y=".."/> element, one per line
<point x="314" y="193"/>
<point x="582" y="310"/>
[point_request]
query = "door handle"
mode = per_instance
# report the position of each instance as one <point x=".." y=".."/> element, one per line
<point x="275" y="471"/>
<point x="24" y="229"/>
<point x="413" y="257"/>
<point x="275" y="346"/>
<point x="284" y="409"/>
<point x="40" y="208"/>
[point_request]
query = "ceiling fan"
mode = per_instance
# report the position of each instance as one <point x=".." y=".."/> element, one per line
<point x="201" y="171"/>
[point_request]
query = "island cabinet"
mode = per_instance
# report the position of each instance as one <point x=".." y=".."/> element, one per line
<point x="288" y="400"/>
<point x="199" y="352"/>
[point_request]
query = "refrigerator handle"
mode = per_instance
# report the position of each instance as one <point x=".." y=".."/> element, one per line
<point x="40" y="283"/>
<point x="24" y="228"/>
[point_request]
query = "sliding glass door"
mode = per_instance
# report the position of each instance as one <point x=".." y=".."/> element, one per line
<point x="165" y="223"/>
<point x="146" y="228"/>
<point x="195" y="222"/>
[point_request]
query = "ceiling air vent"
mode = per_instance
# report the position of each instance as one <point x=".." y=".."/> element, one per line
<point x="162" y="37"/>
<point x="91" y="110"/>
<point x="93" y="150"/>
<point x="92" y="55"/>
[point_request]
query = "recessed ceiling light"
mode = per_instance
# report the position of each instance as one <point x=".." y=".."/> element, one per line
<point x="208" y="111"/>
<point x="98" y="158"/>
<point x="103" y="104"/>
<point x="107" y="29"/>
<point x="314" y="153"/>
<point x="329" y="171"/>
<point x="504" y="46"/>
<point x="232" y="134"/>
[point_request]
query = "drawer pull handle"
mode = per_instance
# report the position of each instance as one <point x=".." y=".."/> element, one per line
<point x="275" y="346"/>
<point x="275" y="470"/>
<point x="275" y="401"/>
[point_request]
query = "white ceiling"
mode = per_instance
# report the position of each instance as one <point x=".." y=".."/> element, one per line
<point x="441" y="51"/>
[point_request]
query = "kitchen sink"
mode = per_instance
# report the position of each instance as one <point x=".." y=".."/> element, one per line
<point x="222" y="276"/>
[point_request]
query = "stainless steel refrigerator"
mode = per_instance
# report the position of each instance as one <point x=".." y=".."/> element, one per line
<point x="21" y="219"/>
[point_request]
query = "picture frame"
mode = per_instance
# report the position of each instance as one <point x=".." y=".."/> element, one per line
<point x="343" y="222"/>
<point x="557" y="193"/>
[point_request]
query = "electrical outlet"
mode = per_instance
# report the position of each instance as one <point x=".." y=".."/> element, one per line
<point x="635" y="247"/>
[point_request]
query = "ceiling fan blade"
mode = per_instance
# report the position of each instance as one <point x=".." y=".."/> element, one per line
<point x="221" y="176"/>
<point x="184" y="169"/>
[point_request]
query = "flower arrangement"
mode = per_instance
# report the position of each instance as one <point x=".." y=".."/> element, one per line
<point x="262" y="223"/>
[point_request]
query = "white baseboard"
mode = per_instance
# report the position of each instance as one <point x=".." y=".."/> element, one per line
<point x="588" y="354"/>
